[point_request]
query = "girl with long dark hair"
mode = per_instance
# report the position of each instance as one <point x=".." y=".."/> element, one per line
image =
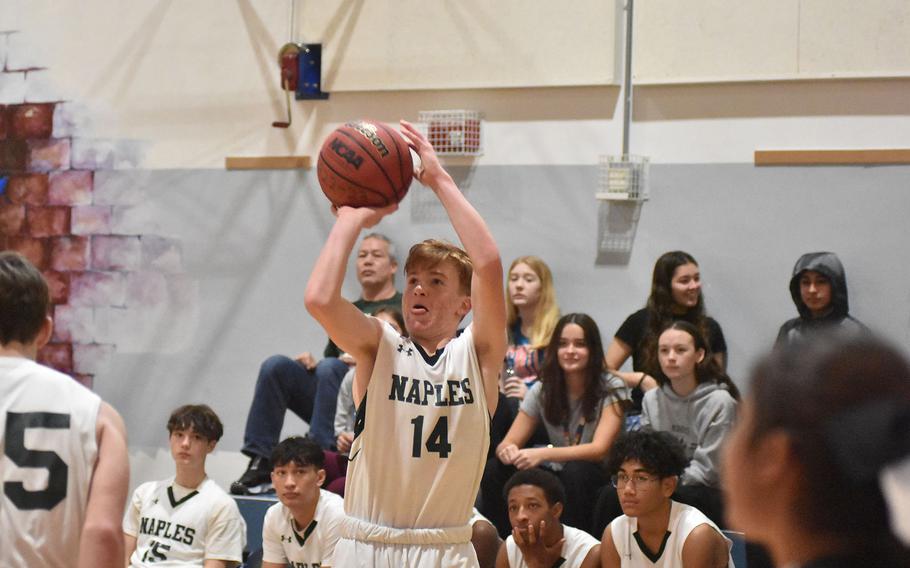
<point x="581" y="407"/>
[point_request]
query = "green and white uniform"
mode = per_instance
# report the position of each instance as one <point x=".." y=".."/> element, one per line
<point x="420" y="446"/>
<point x="49" y="447"/>
<point x="181" y="526"/>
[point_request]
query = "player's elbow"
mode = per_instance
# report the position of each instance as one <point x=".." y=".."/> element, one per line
<point x="103" y="535"/>
<point x="316" y="301"/>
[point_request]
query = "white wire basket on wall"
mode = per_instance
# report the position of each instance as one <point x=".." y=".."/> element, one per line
<point x="453" y="132"/>
<point x="623" y="178"/>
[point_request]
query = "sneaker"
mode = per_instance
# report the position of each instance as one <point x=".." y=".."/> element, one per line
<point x="256" y="480"/>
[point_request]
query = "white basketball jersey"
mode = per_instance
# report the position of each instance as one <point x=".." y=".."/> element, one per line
<point x="683" y="519"/>
<point x="421" y="446"/>
<point x="176" y="526"/>
<point x="303" y="547"/>
<point x="574" y="551"/>
<point x="49" y="447"/>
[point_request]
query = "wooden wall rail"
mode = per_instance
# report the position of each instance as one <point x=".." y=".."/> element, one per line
<point x="267" y="163"/>
<point x="831" y="157"/>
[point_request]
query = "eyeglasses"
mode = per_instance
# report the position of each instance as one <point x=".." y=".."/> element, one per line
<point x="619" y="481"/>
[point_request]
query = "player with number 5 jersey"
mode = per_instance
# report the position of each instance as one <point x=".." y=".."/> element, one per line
<point x="424" y="402"/>
<point x="64" y="467"/>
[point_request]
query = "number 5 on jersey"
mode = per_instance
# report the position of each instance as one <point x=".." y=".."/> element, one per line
<point x="438" y="441"/>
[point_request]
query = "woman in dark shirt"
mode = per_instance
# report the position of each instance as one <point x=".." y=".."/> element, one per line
<point x="675" y="295"/>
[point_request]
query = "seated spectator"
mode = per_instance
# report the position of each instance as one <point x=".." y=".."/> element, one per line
<point x="581" y="407"/>
<point x="308" y="389"/>
<point x="532" y="315"/>
<point x="819" y="290"/>
<point x="819" y="460"/>
<point x="696" y="403"/>
<point x="185" y="520"/>
<point x="655" y="530"/>
<point x="675" y="295"/>
<point x="535" y="501"/>
<point x="302" y="529"/>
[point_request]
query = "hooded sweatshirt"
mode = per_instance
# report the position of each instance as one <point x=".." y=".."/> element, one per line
<point x="838" y="317"/>
<point x="700" y="421"/>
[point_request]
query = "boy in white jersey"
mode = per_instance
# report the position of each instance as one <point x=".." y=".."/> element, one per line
<point x="65" y="471"/>
<point x="539" y="540"/>
<point x="424" y="402"/>
<point x="301" y="530"/>
<point x="655" y="530"/>
<point x="185" y="520"/>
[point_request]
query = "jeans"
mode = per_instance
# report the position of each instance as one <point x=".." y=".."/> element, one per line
<point x="285" y="384"/>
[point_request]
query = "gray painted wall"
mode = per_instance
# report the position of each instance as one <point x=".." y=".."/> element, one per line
<point x="249" y="239"/>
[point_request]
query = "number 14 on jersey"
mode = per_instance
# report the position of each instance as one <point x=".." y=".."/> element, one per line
<point x="437" y="441"/>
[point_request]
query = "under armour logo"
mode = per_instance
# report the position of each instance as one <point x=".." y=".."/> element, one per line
<point x="401" y="349"/>
<point x="155" y="501"/>
<point x="285" y="537"/>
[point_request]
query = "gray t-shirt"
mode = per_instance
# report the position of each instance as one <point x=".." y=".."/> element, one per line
<point x="533" y="407"/>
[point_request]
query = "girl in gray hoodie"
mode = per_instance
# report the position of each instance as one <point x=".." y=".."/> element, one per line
<point x="696" y="403"/>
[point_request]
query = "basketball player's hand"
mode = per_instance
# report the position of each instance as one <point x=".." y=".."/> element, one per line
<point x="515" y="388"/>
<point x="536" y="553"/>
<point x="366" y="217"/>
<point x="307" y="360"/>
<point x="430" y="167"/>
<point x="344" y="441"/>
<point x="507" y="454"/>
<point x="527" y="458"/>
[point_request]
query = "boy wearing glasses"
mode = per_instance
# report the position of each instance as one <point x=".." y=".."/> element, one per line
<point x="655" y="530"/>
<point x="539" y="540"/>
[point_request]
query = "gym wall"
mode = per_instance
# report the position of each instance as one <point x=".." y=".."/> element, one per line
<point x="176" y="278"/>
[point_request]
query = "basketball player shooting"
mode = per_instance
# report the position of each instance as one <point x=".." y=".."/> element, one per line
<point x="424" y="403"/>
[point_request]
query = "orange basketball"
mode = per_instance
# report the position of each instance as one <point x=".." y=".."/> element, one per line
<point x="365" y="163"/>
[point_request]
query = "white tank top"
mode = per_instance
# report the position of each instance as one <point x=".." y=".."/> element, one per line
<point x="575" y="549"/>
<point x="421" y="446"/>
<point x="683" y="520"/>
<point x="311" y="546"/>
<point x="49" y="448"/>
<point x="177" y="526"/>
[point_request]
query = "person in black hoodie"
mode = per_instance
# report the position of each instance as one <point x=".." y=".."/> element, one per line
<point x="819" y="290"/>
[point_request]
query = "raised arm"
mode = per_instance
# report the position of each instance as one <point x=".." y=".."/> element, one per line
<point x="101" y="543"/>
<point x="350" y="329"/>
<point x="487" y="299"/>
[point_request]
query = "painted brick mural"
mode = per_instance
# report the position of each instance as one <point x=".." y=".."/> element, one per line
<point x="106" y="271"/>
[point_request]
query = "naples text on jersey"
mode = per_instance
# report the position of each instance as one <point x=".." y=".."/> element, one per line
<point x="423" y="392"/>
